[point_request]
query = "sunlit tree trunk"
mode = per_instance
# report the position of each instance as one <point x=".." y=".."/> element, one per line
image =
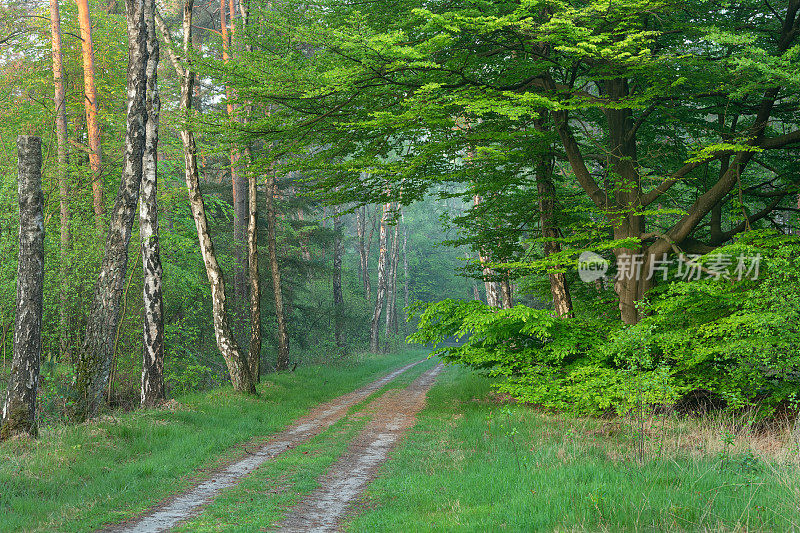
<point x="63" y="182"/>
<point x="152" y="390"/>
<point x="338" y="298"/>
<point x="239" y="185"/>
<point x="90" y="104"/>
<point x="238" y="367"/>
<point x="101" y="327"/>
<point x="506" y="297"/>
<point x="374" y="338"/>
<point x="19" y="407"/>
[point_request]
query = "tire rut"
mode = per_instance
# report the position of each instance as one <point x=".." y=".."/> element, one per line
<point x="187" y="504"/>
<point x="394" y="413"/>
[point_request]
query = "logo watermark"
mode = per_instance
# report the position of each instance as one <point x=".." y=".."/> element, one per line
<point x="686" y="267"/>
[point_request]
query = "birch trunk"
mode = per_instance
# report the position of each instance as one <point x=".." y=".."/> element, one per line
<point x="90" y="105"/>
<point x="238" y="367"/>
<point x="63" y="183"/>
<point x="254" y="352"/>
<point x="94" y="364"/>
<point x="152" y="391"/>
<point x="374" y="338"/>
<point x="19" y="408"/>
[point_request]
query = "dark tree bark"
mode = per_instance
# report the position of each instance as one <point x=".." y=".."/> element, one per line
<point x="559" y="290"/>
<point x="361" y="229"/>
<point x="338" y="298"/>
<point x="19" y="408"/>
<point x="101" y="328"/>
<point x="63" y="183"/>
<point x="272" y="249"/>
<point x="152" y="296"/>
<point x="391" y="289"/>
<point x="238" y="367"/>
<point x="374" y="338"/>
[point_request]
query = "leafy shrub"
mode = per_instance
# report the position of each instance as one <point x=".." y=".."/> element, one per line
<point x="738" y="339"/>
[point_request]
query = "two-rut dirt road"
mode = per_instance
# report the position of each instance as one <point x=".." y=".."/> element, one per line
<point x="391" y="414"/>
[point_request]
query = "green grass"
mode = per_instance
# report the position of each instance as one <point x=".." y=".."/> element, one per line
<point x="262" y="499"/>
<point x="81" y="477"/>
<point x="473" y="463"/>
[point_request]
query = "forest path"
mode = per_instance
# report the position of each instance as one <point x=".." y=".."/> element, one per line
<point x="391" y="415"/>
<point x="186" y="504"/>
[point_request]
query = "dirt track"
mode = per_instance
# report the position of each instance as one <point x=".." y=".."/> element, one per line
<point x="394" y="413"/>
<point x="187" y="504"/>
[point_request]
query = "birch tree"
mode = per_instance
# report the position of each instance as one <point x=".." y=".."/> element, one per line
<point x="152" y="390"/>
<point x="19" y="408"/>
<point x="94" y="364"/>
<point x="238" y="367"/>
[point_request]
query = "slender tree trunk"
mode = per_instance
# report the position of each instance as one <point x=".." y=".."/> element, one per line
<point x="338" y="298"/>
<point x="391" y="300"/>
<point x="90" y="104"/>
<point x="493" y="297"/>
<point x="101" y="328"/>
<point x="272" y="248"/>
<point x="239" y="187"/>
<point x="152" y="297"/>
<point x="505" y="293"/>
<point x="374" y="339"/>
<point x="254" y="353"/>
<point x="562" y="301"/>
<point x="238" y="367"/>
<point x="19" y="408"/>
<point x="361" y="229"/>
<point x="405" y="266"/>
<point x="63" y="183"/>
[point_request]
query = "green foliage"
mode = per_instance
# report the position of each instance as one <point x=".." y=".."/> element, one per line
<point x="736" y="339"/>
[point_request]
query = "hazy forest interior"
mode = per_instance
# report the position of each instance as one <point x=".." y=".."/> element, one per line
<point x="401" y="265"/>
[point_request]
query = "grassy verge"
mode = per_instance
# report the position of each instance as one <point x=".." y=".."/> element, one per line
<point x="81" y="477"/>
<point x="473" y="463"/>
<point x="262" y="499"/>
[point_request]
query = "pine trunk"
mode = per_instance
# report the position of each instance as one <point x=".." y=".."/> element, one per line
<point x="272" y="249"/>
<point x="152" y="391"/>
<point x="101" y="328"/>
<point x="239" y="188"/>
<point x="63" y="183"/>
<point x="374" y="338"/>
<point x="19" y="408"/>
<point x="90" y="104"/>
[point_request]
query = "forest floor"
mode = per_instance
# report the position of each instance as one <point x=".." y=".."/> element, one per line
<point x="423" y="448"/>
